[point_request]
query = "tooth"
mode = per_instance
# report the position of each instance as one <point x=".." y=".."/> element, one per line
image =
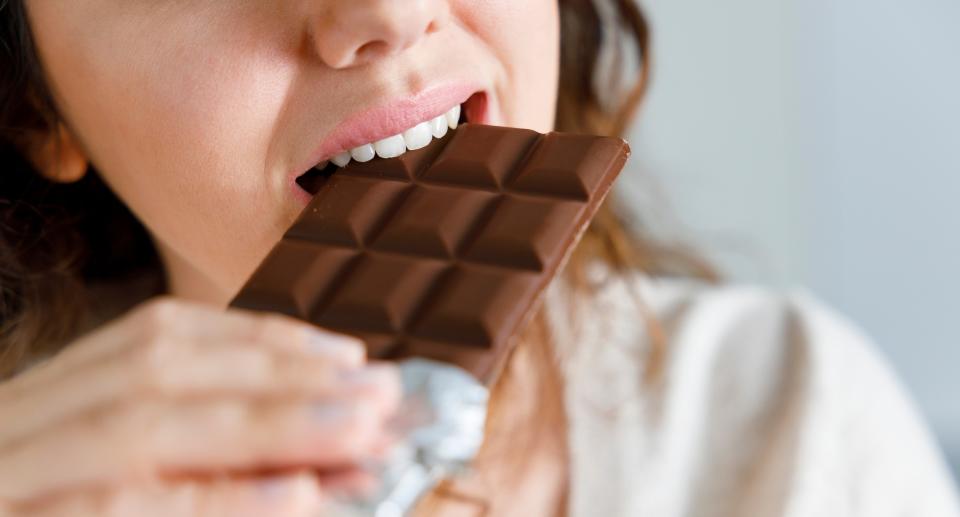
<point x="418" y="136"/>
<point x="390" y="146"/>
<point x="453" y="117"/>
<point x="363" y="153"/>
<point x="438" y="126"/>
<point x="341" y="159"/>
<point x="321" y="165"/>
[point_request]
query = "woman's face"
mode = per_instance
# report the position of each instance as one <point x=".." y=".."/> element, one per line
<point x="200" y="115"/>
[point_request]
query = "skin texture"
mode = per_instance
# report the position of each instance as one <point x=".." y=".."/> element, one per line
<point x="152" y="410"/>
<point x="198" y="114"/>
<point x="198" y="111"/>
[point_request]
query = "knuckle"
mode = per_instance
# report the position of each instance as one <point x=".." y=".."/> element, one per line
<point x="151" y="363"/>
<point x="161" y="307"/>
<point x="273" y="327"/>
<point x="161" y="314"/>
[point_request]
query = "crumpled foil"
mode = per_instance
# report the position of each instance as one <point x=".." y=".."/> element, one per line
<point x="440" y="424"/>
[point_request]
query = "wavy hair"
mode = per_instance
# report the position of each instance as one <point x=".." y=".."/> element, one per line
<point x="59" y="241"/>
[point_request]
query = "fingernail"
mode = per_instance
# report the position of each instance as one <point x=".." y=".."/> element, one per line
<point x="328" y="412"/>
<point x="272" y="488"/>
<point x="368" y="375"/>
<point x="327" y="344"/>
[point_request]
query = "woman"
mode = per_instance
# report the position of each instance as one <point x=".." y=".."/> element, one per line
<point x="152" y="148"/>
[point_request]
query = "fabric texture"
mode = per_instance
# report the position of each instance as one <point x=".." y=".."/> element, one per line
<point x="769" y="404"/>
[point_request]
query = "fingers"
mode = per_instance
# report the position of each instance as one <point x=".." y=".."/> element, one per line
<point x="155" y="324"/>
<point x="227" y="351"/>
<point x="178" y="387"/>
<point x="291" y="495"/>
<point x="350" y="484"/>
<point x="179" y="371"/>
<point x="165" y="436"/>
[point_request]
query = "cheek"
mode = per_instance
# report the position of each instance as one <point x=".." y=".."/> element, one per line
<point x="180" y="109"/>
<point x="179" y="123"/>
<point x="525" y="38"/>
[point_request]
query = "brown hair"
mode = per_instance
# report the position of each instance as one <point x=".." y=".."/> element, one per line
<point x="602" y="41"/>
<point x="57" y="241"/>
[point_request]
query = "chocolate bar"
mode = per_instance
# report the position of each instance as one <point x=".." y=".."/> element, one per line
<point x="442" y="252"/>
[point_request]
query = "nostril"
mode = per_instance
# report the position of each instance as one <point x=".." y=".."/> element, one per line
<point x="432" y="27"/>
<point x="372" y="49"/>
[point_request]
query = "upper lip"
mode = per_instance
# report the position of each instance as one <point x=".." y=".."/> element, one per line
<point x="390" y="118"/>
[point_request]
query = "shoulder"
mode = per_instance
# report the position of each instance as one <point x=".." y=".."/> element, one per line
<point x="709" y="333"/>
<point x="729" y="328"/>
<point x="765" y="399"/>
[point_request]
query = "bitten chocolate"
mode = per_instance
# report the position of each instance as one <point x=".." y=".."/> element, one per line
<point x="443" y="252"/>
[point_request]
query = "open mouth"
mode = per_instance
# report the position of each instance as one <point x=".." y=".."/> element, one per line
<point x="421" y="135"/>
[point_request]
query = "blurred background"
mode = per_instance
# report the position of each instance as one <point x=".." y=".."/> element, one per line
<point x="817" y="143"/>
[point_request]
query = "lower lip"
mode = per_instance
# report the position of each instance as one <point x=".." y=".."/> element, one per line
<point x="476" y="110"/>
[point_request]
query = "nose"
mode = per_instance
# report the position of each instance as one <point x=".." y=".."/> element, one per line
<point x="349" y="33"/>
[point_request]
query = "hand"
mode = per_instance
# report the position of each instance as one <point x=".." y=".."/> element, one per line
<point x="182" y="409"/>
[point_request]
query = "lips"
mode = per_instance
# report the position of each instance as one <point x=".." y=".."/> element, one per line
<point x="417" y="135"/>
<point x="410" y="139"/>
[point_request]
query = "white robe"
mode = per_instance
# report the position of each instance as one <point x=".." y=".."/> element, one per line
<point x="770" y="405"/>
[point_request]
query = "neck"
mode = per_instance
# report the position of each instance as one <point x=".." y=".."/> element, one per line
<point x="187" y="282"/>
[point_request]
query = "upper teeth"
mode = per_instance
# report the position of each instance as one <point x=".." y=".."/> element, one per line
<point x="414" y="138"/>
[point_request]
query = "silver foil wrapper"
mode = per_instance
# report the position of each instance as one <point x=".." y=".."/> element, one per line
<point x="440" y="424"/>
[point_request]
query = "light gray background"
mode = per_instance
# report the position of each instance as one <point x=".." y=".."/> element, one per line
<point x="817" y="143"/>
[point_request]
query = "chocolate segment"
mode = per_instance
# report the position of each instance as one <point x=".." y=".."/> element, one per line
<point x="443" y="252"/>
